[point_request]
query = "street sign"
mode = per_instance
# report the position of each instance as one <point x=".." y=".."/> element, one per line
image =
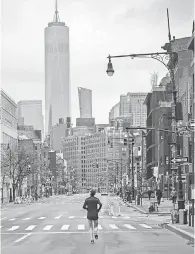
<point x="179" y="159"/>
<point x="173" y="169"/>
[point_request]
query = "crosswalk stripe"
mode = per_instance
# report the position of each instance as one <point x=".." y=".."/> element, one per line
<point x="13" y="228"/>
<point x="127" y="217"/>
<point x="58" y="217"/>
<point x="129" y="226"/>
<point x="65" y="227"/>
<point x="113" y="226"/>
<point x="12" y="219"/>
<point x="85" y="217"/>
<point x="3" y="218"/>
<point x="26" y="219"/>
<point x="41" y="218"/>
<point x="31" y="227"/>
<point x="114" y="217"/>
<point x="100" y="227"/>
<point x="1" y="226"/>
<point x="48" y="227"/>
<point x="71" y="217"/>
<point x="81" y="227"/>
<point x="145" y="226"/>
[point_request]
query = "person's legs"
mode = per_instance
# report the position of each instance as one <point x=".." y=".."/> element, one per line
<point x="91" y="230"/>
<point x="96" y="228"/>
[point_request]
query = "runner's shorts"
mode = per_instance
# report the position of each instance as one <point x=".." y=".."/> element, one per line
<point x="91" y="223"/>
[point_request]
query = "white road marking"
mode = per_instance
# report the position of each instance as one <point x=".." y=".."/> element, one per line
<point x="58" y="217"/>
<point x="113" y="226"/>
<point x="26" y="219"/>
<point x="22" y="238"/>
<point x="12" y="219"/>
<point x="85" y="217"/>
<point x="31" y="227"/>
<point x="129" y="226"/>
<point x="41" y="218"/>
<point x="127" y="217"/>
<point x="100" y="227"/>
<point x="81" y="227"/>
<point x="145" y="226"/>
<point x="1" y="226"/>
<point x="13" y="228"/>
<point x="101" y="217"/>
<point x="3" y="218"/>
<point x="71" y="217"/>
<point x="65" y="227"/>
<point x="48" y="227"/>
<point x="114" y="217"/>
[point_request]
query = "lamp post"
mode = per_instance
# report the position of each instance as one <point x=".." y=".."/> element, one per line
<point x="169" y="59"/>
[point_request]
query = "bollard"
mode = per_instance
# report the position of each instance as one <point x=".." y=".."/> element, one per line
<point x="112" y="209"/>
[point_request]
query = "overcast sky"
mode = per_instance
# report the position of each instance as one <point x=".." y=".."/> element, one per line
<point x="97" y="28"/>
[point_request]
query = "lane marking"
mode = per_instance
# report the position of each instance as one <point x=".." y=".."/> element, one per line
<point x="71" y="217"/>
<point x="41" y="218"/>
<point x="26" y="219"/>
<point x="12" y="219"/>
<point x="145" y="226"/>
<point x="100" y="227"/>
<point x="114" y="217"/>
<point x="113" y="226"/>
<point x="31" y="227"/>
<point x="22" y="238"/>
<point x="65" y="227"/>
<point x="58" y="217"/>
<point x="129" y="226"/>
<point x="78" y="232"/>
<point x="13" y="228"/>
<point x="48" y="227"/>
<point x="81" y="227"/>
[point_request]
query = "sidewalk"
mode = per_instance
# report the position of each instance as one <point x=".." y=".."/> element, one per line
<point x="164" y="208"/>
<point x="185" y="231"/>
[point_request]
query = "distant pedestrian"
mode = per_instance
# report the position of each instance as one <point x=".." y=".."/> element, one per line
<point x="174" y="195"/>
<point x="90" y="205"/>
<point x="149" y="193"/>
<point x="158" y="196"/>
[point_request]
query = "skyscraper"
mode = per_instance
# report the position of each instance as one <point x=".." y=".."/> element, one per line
<point x="57" y="78"/>
<point x="31" y="113"/>
<point x="85" y="102"/>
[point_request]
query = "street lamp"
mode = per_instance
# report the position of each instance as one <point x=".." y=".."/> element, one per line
<point x="110" y="70"/>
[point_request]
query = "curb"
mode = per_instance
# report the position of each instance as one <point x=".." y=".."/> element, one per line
<point x="178" y="231"/>
<point x="144" y="212"/>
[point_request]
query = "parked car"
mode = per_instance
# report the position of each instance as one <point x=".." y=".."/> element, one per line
<point x="104" y="194"/>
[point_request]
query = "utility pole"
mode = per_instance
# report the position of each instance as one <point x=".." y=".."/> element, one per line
<point x="132" y="163"/>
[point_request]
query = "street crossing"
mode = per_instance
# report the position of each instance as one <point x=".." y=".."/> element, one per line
<point x="73" y="227"/>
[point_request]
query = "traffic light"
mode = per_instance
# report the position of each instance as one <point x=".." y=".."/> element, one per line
<point x="125" y="142"/>
<point x="133" y="141"/>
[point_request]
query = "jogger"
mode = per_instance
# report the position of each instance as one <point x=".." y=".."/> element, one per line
<point x="92" y="214"/>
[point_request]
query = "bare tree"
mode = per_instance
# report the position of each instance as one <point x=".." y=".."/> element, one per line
<point x="16" y="165"/>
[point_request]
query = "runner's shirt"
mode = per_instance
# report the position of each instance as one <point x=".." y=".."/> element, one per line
<point x="91" y="206"/>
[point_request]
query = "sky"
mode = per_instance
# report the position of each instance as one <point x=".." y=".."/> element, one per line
<point x="97" y="28"/>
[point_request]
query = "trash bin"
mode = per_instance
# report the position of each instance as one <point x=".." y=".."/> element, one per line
<point x="183" y="216"/>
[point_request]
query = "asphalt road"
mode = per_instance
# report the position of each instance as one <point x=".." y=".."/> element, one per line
<point x="59" y="225"/>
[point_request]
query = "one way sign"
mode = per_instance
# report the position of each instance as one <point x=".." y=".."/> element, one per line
<point x="179" y="159"/>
